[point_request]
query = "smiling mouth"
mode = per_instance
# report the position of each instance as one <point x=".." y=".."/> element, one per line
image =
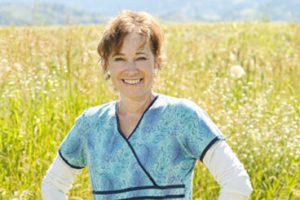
<point x="132" y="81"/>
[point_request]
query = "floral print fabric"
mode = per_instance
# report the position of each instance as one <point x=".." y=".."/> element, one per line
<point x="155" y="162"/>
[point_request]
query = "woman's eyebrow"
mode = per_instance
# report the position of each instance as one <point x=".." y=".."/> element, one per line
<point x="118" y="54"/>
<point x="140" y="52"/>
<point x="121" y="54"/>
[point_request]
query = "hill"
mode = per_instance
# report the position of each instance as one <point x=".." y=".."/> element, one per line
<point x="33" y="12"/>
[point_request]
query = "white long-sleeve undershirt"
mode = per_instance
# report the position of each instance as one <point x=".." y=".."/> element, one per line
<point x="58" y="180"/>
<point x="219" y="159"/>
<point x="228" y="171"/>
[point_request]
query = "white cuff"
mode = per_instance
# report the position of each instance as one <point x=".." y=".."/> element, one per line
<point x="228" y="171"/>
<point x="58" y="180"/>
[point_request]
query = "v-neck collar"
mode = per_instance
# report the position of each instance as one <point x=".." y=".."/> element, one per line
<point x="118" y="121"/>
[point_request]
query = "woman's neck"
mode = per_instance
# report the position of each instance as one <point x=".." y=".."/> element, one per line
<point x="134" y="106"/>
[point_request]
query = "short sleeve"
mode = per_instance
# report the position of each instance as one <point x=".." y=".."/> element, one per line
<point x="73" y="148"/>
<point x="198" y="131"/>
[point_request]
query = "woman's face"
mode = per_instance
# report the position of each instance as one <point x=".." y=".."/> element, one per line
<point x="132" y="69"/>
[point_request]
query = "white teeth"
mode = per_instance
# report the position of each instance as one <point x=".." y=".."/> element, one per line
<point x="132" y="82"/>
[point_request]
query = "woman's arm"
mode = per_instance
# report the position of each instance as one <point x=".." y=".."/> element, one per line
<point x="58" y="180"/>
<point x="228" y="171"/>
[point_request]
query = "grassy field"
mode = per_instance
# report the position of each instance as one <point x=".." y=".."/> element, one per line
<point x="49" y="75"/>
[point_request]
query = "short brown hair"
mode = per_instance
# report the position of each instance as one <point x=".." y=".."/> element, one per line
<point x="126" y="22"/>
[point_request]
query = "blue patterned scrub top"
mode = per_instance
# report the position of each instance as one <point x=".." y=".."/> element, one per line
<point x="155" y="162"/>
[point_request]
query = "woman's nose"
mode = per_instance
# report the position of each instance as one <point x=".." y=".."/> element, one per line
<point x="131" y="65"/>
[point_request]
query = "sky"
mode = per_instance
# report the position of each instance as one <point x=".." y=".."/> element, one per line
<point x="24" y="12"/>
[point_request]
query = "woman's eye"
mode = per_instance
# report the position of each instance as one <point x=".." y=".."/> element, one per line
<point x="119" y="59"/>
<point x="141" y="58"/>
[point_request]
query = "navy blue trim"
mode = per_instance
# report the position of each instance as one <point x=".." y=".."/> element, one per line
<point x="208" y="146"/>
<point x="118" y="121"/>
<point x="139" y="188"/>
<point x="73" y="166"/>
<point x="127" y="139"/>
<point x="136" y="157"/>
<point x="178" y="196"/>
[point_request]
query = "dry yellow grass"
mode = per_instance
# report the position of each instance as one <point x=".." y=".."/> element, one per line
<point x="48" y="75"/>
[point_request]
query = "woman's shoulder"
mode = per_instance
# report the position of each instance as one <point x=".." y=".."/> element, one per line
<point x="184" y="112"/>
<point x="99" y="110"/>
<point x="180" y="104"/>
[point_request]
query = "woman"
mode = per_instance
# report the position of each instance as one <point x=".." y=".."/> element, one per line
<point x="145" y="145"/>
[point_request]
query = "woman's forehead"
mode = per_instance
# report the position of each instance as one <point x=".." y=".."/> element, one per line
<point x="134" y="42"/>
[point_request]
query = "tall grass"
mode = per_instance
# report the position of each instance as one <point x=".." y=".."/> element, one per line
<point x="49" y="75"/>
